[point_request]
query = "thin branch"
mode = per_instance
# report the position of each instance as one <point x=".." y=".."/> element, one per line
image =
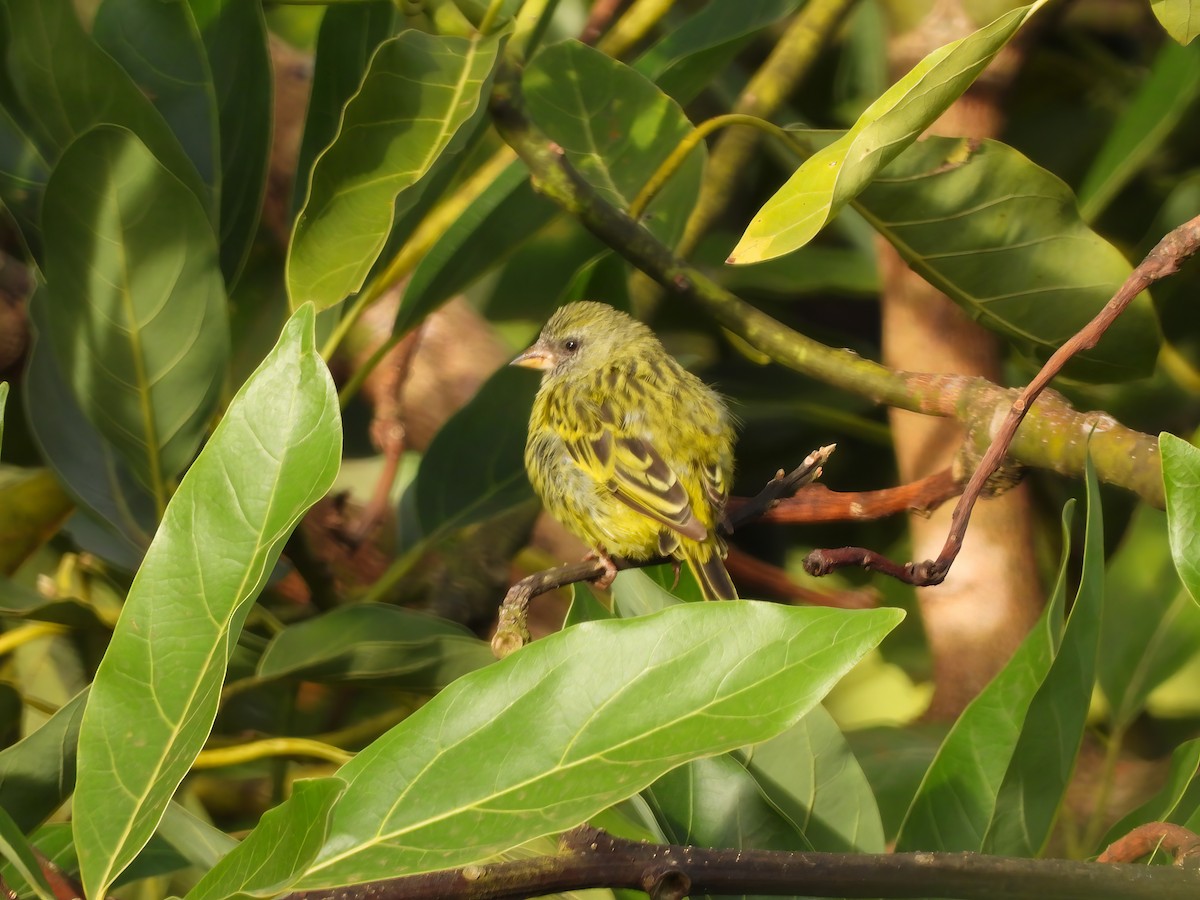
<point x="1165" y="259"/>
<point x="593" y="858"/>
<point x="512" y="633"/>
<point x="816" y="503"/>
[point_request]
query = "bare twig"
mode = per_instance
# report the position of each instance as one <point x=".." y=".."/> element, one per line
<point x="817" y="503"/>
<point x="593" y="858"/>
<point x="1165" y="259"/>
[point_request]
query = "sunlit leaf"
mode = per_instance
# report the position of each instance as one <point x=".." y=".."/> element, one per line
<point x="279" y="850"/>
<point x="835" y="175"/>
<point x="1180" y="18"/>
<point x="1181" y="483"/>
<point x="417" y="95"/>
<point x="446" y="787"/>
<point x="33" y="508"/>
<point x="136" y="310"/>
<point x="349" y="34"/>
<point x="615" y="128"/>
<point x="1001" y="236"/>
<point x="274" y="454"/>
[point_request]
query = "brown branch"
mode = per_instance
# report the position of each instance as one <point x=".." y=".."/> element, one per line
<point x="761" y="579"/>
<point x="1182" y="844"/>
<point x="816" y="503"/>
<point x="598" y="20"/>
<point x="512" y="632"/>
<point x="1165" y="259"/>
<point x="593" y="858"/>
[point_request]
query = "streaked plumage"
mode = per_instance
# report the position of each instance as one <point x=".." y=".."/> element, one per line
<point x="626" y="448"/>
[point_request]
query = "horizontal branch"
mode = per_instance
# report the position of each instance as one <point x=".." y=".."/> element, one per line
<point x="593" y="858"/>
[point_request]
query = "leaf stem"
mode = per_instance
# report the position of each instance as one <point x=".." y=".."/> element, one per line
<point x="633" y="25"/>
<point x="269" y="748"/>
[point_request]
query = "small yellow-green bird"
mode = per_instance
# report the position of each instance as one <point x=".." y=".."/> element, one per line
<point x="629" y="450"/>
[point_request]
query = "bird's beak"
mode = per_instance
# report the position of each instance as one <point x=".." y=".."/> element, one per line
<point x="536" y="357"/>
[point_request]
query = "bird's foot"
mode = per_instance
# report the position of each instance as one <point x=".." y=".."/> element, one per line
<point x="603" y="581"/>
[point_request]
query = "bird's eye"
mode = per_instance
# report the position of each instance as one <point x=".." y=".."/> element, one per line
<point x="570" y="345"/>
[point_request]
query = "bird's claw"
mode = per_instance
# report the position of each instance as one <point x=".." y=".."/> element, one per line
<point x="604" y="580"/>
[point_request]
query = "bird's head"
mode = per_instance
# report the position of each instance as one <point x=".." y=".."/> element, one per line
<point x="584" y="337"/>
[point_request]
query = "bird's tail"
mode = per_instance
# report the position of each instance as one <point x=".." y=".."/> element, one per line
<point x="706" y="564"/>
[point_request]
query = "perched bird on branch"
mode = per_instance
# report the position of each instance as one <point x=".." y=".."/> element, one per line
<point x="629" y="450"/>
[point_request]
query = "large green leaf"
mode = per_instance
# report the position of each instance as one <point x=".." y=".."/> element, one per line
<point x="373" y="640"/>
<point x="835" y="175"/>
<point x="460" y="779"/>
<point x="235" y="42"/>
<point x="279" y="850"/>
<point x="1001" y="236"/>
<point x="274" y="454"/>
<point x="1043" y="759"/>
<point x="616" y="128"/>
<point x="417" y="95"/>
<point x="158" y="45"/>
<point x="88" y="467"/>
<point x="1157" y="108"/>
<point x="811" y="775"/>
<point x="957" y="796"/>
<point x="1181" y="18"/>
<point x="1181" y="484"/>
<point x="136" y="311"/>
<point x="1151" y="626"/>
<point x="349" y="34"/>
<point x="67" y="85"/>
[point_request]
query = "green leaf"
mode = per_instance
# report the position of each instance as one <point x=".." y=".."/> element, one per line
<point x="16" y="849"/>
<point x="836" y="174"/>
<point x="158" y="45"/>
<point x="38" y="772"/>
<point x="136" y="311"/>
<point x="503" y="217"/>
<point x="616" y="128"/>
<point x="459" y="781"/>
<point x="23" y="174"/>
<point x="196" y="839"/>
<point x="828" y="796"/>
<point x="1158" y="107"/>
<point x="1170" y="803"/>
<point x="67" y="85"/>
<point x="715" y="802"/>
<point x="33" y="508"/>
<point x="1001" y="236"/>
<point x="349" y="34"/>
<point x="713" y="25"/>
<point x="1151" y="626"/>
<point x="957" y="796"/>
<point x="419" y="651"/>
<point x="1180" y="18"/>
<point x="88" y="466"/>
<point x="274" y="454"/>
<point x="280" y="848"/>
<point x="1181" y="484"/>
<point x="235" y="40"/>
<point x="1044" y="757"/>
<point x="418" y="94"/>
<point x="475" y="465"/>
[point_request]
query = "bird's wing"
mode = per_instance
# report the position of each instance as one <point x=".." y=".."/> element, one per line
<point x="635" y="472"/>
